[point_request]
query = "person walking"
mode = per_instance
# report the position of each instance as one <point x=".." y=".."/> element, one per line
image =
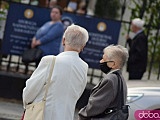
<point x="138" y="50"/>
<point x="68" y="80"/>
<point x="103" y="95"/>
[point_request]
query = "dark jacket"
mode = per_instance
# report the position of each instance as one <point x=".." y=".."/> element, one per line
<point x="103" y="96"/>
<point x="137" y="53"/>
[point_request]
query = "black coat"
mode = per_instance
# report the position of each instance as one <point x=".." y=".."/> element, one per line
<point x="137" y="53"/>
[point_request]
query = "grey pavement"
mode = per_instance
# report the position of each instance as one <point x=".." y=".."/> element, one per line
<point x="10" y="110"/>
<point x="13" y="110"/>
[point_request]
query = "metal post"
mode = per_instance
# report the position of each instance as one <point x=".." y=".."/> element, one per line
<point x="123" y="9"/>
<point x="91" y="79"/>
<point x="158" y="72"/>
<point x="18" y="63"/>
<point x="9" y="62"/>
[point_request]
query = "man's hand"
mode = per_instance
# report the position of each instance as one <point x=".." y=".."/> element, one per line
<point x="127" y="37"/>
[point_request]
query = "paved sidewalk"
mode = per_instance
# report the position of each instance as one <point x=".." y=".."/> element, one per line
<point x="12" y="110"/>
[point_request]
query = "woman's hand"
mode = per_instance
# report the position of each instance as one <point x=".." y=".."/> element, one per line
<point x="35" y="43"/>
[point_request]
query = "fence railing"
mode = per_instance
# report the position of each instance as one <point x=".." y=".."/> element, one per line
<point x="12" y="63"/>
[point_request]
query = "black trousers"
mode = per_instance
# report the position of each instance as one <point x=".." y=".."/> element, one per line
<point x="135" y="75"/>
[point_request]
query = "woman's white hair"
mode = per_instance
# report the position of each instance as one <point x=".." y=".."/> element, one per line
<point x="117" y="53"/>
<point x="76" y="36"/>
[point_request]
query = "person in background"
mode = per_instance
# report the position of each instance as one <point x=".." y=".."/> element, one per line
<point x="103" y="95"/>
<point x="72" y="6"/>
<point x="138" y="48"/>
<point x="48" y="38"/>
<point x="34" y="2"/>
<point x="51" y="3"/>
<point x="68" y="81"/>
<point x="81" y="8"/>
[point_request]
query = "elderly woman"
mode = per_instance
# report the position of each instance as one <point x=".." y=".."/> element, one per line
<point x="103" y="95"/>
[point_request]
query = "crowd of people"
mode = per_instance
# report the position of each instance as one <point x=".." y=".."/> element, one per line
<point x="76" y="6"/>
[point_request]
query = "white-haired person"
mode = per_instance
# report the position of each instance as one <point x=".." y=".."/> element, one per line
<point x="104" y="95"/>
<point x="68" y="80"/>
<point x="138" y="50"/>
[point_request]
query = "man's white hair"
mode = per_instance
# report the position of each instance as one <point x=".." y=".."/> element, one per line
<point x="76" y="36"/>
<point x="138" y="22"/>
<point x="117" y="53"/>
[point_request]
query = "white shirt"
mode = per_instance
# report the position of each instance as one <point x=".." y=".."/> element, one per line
<point x="68" y="82"/>
<point x="138" y="32"/>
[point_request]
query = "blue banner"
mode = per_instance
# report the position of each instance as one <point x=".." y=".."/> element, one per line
<point x="24" y="20"/>
<point x="102" y="33"/>
<point x="21" y="25"/>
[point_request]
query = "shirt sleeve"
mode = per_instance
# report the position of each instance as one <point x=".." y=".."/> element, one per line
<point x="35" y="83"/>
<point x="99" y="100"/>
<point x="53" y="33"/>
<point x="140" y="47"/>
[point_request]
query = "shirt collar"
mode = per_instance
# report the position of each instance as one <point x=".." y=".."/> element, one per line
<point x="74" y="53"/>
<point x="113" y="71"/>
<point x="138" y="32"/>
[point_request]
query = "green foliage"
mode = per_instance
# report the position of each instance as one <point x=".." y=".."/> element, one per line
<point x="149" y="11"/>
<point x="16" y="0"/>
<point x="2" y="17"/>
<point x="107" y="8"/>
<point x="3" y="8"/>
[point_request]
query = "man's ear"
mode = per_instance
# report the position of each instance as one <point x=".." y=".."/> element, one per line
<point x="82" y="48"/>
<point x="63" y="41"/>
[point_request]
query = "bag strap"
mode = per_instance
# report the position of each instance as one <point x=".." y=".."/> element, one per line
<point x="49" y="78"/>
<point x="120" y="93"/>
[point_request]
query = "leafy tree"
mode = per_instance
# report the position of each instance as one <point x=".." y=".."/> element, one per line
<point x="107" y="8"/>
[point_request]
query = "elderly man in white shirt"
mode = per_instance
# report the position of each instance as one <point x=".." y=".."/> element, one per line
<point x="68" y="79"/>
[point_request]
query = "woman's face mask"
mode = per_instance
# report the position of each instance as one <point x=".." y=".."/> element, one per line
<point x="104" y="67"/>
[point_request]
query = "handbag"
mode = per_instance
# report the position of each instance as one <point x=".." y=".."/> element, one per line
<point x="35" y="111"/>
<point x="31" y="55"/>
<point x="121" y="112"/>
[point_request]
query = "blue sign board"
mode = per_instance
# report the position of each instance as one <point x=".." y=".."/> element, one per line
<point x="21" y="25"/>
<point x="102" y="33"/>
<point x="24" y="20"/>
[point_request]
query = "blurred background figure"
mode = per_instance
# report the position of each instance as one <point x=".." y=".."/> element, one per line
<point x="34" y="2"/>
<point x="51" y="3"/>
<point x="82" y="7"/>
<point x="138" y="49"/>
<point x="48" y="38"/>
<point x="72" y="6"/>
